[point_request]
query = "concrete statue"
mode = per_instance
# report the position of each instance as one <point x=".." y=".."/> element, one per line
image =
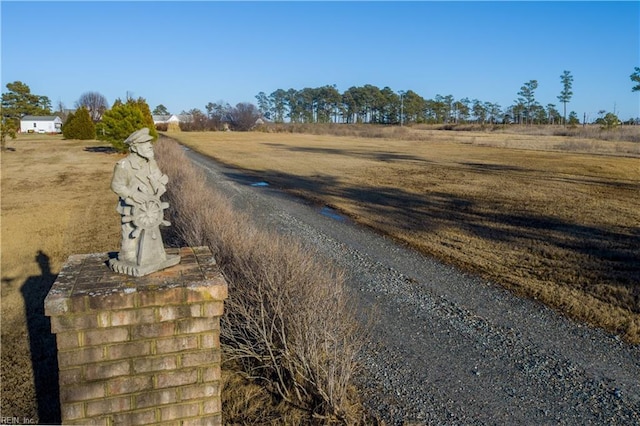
<point x="139" y="184"/>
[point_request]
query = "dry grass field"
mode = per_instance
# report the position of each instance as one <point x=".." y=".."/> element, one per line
<point x="56" y="202"/>
<point x="550" y="217"/>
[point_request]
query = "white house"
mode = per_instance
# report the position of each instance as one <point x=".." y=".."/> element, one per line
<point x="161" y="119"/>
<point x="173" y="118"/>
<point x="41" y="124"/>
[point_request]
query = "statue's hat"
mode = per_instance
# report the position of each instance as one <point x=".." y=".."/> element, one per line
<point x="139" y="136"/>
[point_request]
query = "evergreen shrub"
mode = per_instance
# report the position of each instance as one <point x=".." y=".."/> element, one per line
<point x="79" y="126"/>
<point x="122" y="120"/>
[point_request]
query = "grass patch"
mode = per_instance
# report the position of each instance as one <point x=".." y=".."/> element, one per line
<point x="56" y="202"/>
<point x="559" y="226"/>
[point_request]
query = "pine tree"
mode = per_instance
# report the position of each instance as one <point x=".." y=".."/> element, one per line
<point x="18" y="101"/>
<point x="528" y="98"/>
<point x="142" y="105"/>
<point x="120" y="121"/>
<point x="565" y="96"/>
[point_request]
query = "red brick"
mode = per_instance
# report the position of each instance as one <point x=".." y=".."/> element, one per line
<point x="106" y="370"/>
<point x="196" y="310"/>
<point x="69" y="377"/>
<point x="67" y="340"/>
<point x="83" y="392"/>
<point x="135" y="418"/>
<point x="163" y="363"/>
<point x="200" y="391"/>
<point x="212" y="405"/>
<point x="72" y="411"/>
<point x="203" y="357"/>
<point x="211" y="374"/>
<point x="104" y="319"/>
<point x="127" y="385"/>
<point x="169" y="313"/>
<point x="183" y="411"/>
<point x="129" y="350"/>
<point x="195" y="325"/>
<point x="102" y="421"/>
<point x="166" y="296"/>
<point x="215" y="420"/>
<point x="210" y="340"/>
<point x="145" y="331"/>
<point x="105" y="335"/>
<point x="213" y="309"/>
<point x="133" y="316"/>
<point x="108" y="406"/>
<point x="177" y="378"/>
<point x="73" y="322"/>
<point x="112" y="301"/>
<point x="57" y="304"/>
<point x="80" y="356"/>
<point x="78" y="303"/>
<point x="156" y="398"/>
<point x="176" y="344"/>
<point x="206" y="293"/>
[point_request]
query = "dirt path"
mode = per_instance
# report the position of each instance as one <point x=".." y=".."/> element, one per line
<point x="449" y="348"/>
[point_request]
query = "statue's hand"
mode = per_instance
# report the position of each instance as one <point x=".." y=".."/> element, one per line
<point x="135" y="198"/>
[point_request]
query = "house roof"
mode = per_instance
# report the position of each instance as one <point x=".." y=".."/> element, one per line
<point x="160" y="118"/>
<point x="183" y="118"/>
<point x="39" y="118"/>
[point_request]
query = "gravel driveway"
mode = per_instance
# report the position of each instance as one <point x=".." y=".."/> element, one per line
<point x="447" y="347"/>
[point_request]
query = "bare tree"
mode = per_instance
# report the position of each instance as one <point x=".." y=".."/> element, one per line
<point x="244" y="116"/>
<point x="95" y="102"/>
<point x="198" y="120"/>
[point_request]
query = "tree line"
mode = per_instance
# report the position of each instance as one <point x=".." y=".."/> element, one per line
<point x="370" y="104"/>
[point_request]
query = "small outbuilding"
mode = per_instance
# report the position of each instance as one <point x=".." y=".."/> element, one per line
<point x="41" y="124"/>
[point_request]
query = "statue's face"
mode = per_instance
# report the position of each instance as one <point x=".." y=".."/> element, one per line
<point x="145" y="150"/>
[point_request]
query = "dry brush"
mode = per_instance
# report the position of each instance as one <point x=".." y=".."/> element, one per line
<point x="288" y="322"/>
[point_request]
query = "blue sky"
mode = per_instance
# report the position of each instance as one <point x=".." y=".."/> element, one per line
<point x="186" y="54"/>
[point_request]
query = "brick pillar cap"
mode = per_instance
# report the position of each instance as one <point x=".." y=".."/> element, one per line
<point x="86" y="283"/>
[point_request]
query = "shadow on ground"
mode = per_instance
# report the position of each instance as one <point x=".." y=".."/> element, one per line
<point x="600" y="261"/>
<point x="101" y="149"/>
<point x="42" y="343"/>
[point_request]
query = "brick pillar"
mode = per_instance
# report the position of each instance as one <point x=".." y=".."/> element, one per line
<point x="139" y="350"/>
